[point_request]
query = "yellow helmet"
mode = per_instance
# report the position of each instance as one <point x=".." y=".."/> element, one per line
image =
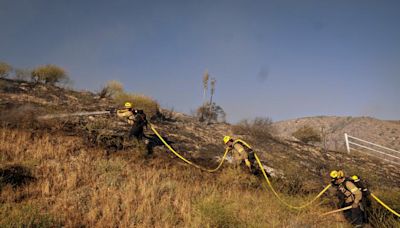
<point x="355" y="178"/>
<point x="128" y="105"/>
<point x="336" y="174"/>
<point x="227" y="139"/>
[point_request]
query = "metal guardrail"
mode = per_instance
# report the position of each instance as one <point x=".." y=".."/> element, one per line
<point x="374" y="150"/>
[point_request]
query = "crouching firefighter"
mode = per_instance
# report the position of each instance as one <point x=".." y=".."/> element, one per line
<point x="242" y="154"/>
<point x="137" y="119"/>
<point x="349" y="195"/>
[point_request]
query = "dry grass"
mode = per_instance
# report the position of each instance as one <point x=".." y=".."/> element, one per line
<point x="80" y="187"/>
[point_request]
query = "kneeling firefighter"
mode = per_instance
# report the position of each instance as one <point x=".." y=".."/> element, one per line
<point x="242" y="154"/>
<point x="137" y="119"/>
<point x="349" y="195"/>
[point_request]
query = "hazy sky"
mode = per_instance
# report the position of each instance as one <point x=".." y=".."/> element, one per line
<point x="279" y="59"/>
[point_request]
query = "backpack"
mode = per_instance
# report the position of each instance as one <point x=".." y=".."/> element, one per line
<point x="360" y="184"/>
<point x="142" y="116"/>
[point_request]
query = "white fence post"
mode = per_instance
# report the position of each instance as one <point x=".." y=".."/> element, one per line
<point x="347" y="143"/>
<point x="393" y="157"/>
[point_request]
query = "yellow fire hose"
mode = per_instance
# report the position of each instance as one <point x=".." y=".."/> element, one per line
<point x="184" y="159"/>
<point x="384" y="205"/>
<point x="265" y="177"/>
<point x="279" y="198"/>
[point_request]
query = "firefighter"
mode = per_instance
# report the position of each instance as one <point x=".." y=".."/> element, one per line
<point x="366" y="201"/>
<point x="242" y="154"/>
<point x="348" y="194"/>
<point x="137" y="119"/>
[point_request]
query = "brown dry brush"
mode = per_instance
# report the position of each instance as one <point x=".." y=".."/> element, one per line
<point x="75" y="186"/>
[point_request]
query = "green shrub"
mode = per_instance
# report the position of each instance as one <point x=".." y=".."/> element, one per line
<point x="139" y="101"/>
<point x="5" y="69"/>
<point x="307" y="134"/>
<point x="49" y="74"/>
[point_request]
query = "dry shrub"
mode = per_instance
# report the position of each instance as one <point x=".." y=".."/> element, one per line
<point x="139" y="101"/>
<point x="307" y="134"/>
<point x="5" y="69"/>
<point x="49" y="74"/>
<point x="111" y="89"/>
<point x="115" y="90"/>
<point x="259" y="128"/>
<point x="210" y="113"/>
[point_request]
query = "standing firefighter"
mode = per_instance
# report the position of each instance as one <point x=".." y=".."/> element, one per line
<point x="242" y="154"/>
<point x="137" y="119"/>
<point x="349" y="195"/>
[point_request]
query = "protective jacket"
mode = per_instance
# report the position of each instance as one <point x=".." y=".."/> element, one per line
<point x="128" y="114"/>
<point x="350" y="193"/>
<point x="239" y="153"/>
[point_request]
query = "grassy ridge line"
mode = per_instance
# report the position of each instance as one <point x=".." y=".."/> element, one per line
<point x="77" y="186"/>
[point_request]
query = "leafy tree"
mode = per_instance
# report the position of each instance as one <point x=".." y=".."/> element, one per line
<point x="5" y="69"/>
<point x="49" y="74"/>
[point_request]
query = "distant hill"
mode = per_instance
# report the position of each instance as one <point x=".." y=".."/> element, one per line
<point x="382" y="132"/>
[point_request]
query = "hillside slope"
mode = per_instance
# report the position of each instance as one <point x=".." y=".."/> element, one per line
<point x="54" y="166"/>
<point x="383" y="132"/>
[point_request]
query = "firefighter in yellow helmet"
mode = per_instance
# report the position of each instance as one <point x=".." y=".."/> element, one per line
<point x="348" y="194"/>
<point x="137" y="119"/>
<point x="366" y="201"/>
<point x="127" y="112"/>
<point x="242" y="154"/>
